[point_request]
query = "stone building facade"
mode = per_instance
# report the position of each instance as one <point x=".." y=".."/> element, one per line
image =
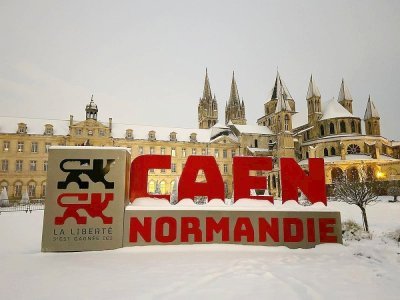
<point x="327" y="129"/>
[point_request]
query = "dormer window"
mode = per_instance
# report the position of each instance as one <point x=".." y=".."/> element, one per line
<point x="48" y="129"/>
<point x="172" y="136"/>
<point x="22" y="128"/>
<point x="193" y="137"/>
<point x="129" y="134"/>
<point x="90" y="132"/>
<point x="78" y="131"/>
<point x="102" y="132"/>
<point x="152" y="135"/>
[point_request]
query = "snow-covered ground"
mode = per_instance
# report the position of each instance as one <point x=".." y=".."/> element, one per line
<point x="366" y="269"/>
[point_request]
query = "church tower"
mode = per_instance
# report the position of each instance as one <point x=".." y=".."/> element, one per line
<point x="371" y="119"/>
<point x="283" y="122"/>
<point x="235" y="110"/>
<point x="345" y="98"/>
<point x="91" y="110"/>
<point x="313" y="102"/>
<point x="208" y="108"/>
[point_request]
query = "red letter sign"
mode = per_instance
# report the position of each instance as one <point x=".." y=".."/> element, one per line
<point x="312" y="185"/>
<point x="139" y="174"/>
<point x="213" y="188"/>
<point x="243" y="182"/>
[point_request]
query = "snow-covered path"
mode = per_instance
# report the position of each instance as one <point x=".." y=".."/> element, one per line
<point x="369" y="269"/>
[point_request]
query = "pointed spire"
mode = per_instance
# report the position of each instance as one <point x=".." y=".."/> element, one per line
<point x="370" y="111"/>
<point x="344" y="93"/>
<point x="234" y="96"/>
<point x="91" y="99"/>
<point x="279" y="83"/>
<point x="313" y="90"/>
<point x="207" y="90"/>
<point x="283" y="104"/>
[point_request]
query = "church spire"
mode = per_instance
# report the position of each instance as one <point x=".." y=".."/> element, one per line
<point x="207" y="90"/>
<point x="372" y="119"/>
<point x="208" y="108"/>
<point x="235" y="110"/>
<point x="313" y="90"/>
<point x="370" y="111"/>
<point x="345" y="98"/>
<point x="234" y="96"/>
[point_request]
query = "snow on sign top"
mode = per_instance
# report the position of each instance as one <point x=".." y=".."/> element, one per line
<point x="333" y="109"/>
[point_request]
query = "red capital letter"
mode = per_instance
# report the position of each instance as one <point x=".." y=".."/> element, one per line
<point x="139" y="174"/>
<point x="213" y="188"/>
<point x="243" y="182"/>
<point x="312" y="185"/>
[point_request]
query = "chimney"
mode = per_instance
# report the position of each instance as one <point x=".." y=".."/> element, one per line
<point x="110" y="124"/>
<point x="71" y="120"/>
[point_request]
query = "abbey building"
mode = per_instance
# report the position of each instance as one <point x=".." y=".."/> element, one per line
<point x="328" y="129"/>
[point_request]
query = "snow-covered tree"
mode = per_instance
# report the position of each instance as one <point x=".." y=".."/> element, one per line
<point x="4" y="198"/>
<point x="25" y="198"/>
<point x="360" y="191"/>
<point x="174" y="193"/>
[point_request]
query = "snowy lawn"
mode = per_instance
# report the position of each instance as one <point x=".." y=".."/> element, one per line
<point x="366" y="269"/>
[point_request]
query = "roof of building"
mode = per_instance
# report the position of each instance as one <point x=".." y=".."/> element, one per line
<point x="333" y="109"/>
<point x="34" y="125"/>
<point x="370" y="111"/>
<point x="313" y="90"/>
<point x="350" y="157"/>
<point x="344" y="93"/>
<point x="299" y="119"/>
<point x="255" y="129"/>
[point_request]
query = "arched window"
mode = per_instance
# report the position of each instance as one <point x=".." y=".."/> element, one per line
<point x="286" y="122"/>
<point x="342" y="126"/>
<point x="163" y="187"/>
<point x="279" y="123"/>
<point x="333" y="151"/>
<point x="18" y="189"/>
<point x="32" y="189"/>
<point x="336" y="174"/>
<point x="326" y="152"/>
<point x="172" y="184"/>
<point x="332" y="128"/>
<point x="273" y="181"/>
<point x="352" y="174"/>
<point x="151" y="187"/>
<point x="353" y="149"/>
<point x="369" y="128"/>
<point x="353" y="126"/>
<point x="307" y="155"/>
<point x="44" y="189"/>
<point x="322" y="130"/>
<point x="255" y="143"/>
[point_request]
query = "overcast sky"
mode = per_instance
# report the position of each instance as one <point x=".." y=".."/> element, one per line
<point x="145" y="61"/>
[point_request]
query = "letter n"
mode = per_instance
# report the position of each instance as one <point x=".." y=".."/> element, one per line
<point x="293" y="178"/>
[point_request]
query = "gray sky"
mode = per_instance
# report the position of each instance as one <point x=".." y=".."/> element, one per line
<point x="144" y="61"/>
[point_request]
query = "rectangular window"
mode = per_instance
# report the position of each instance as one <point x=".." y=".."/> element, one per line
<point x="43" y="190"/>
<point x="233" y="153"/>
<point x="225" y="169"/>
<point x="225" y="153"/>
<point x="216" y="153"/>
<point x="18" y="190"/>
<point x="46" y="147"/>
<point x="162" y="170"/>
<point x="173" y="152"/>
<point x="20" y="147"/>
<point x="203" y="151"/>
<point x="34" y="147"/>
<point x="151" y="150"/>
<point x="45" y="165"/>
<point x="193" y="151"/>
<point x="32" y="190"/>
<point x="18" y="165"/>
<point x="6" y="146"/>
<point x="183" y="152"/>
<point x="151" y="170"/>
<point x="4" y="165"/>
<point x="162" y="150"/>
<point x="32" y="165"/>
<point x="141" y="150"/>
<point x="101" y="132"/>
<point x="173" y="167"/>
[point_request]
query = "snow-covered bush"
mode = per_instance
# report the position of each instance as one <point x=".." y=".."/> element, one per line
<point x="353" y="231"/>
<point x="393" y="191"/>
<point x="394" y="235"/>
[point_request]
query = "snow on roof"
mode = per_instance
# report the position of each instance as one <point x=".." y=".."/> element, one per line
<point x="395" y="143"/>
<point x="370" y="111"/>
<point x="333" y="109"/>
<point x="255" y="129"/>
<point x="313" y="90"/>
<point x="299" y="119"/>
<point x="344" y="93"/>
<point x="34" y="125"/>
<point x="141" y="132"/>
<point x="255" y="150"/>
